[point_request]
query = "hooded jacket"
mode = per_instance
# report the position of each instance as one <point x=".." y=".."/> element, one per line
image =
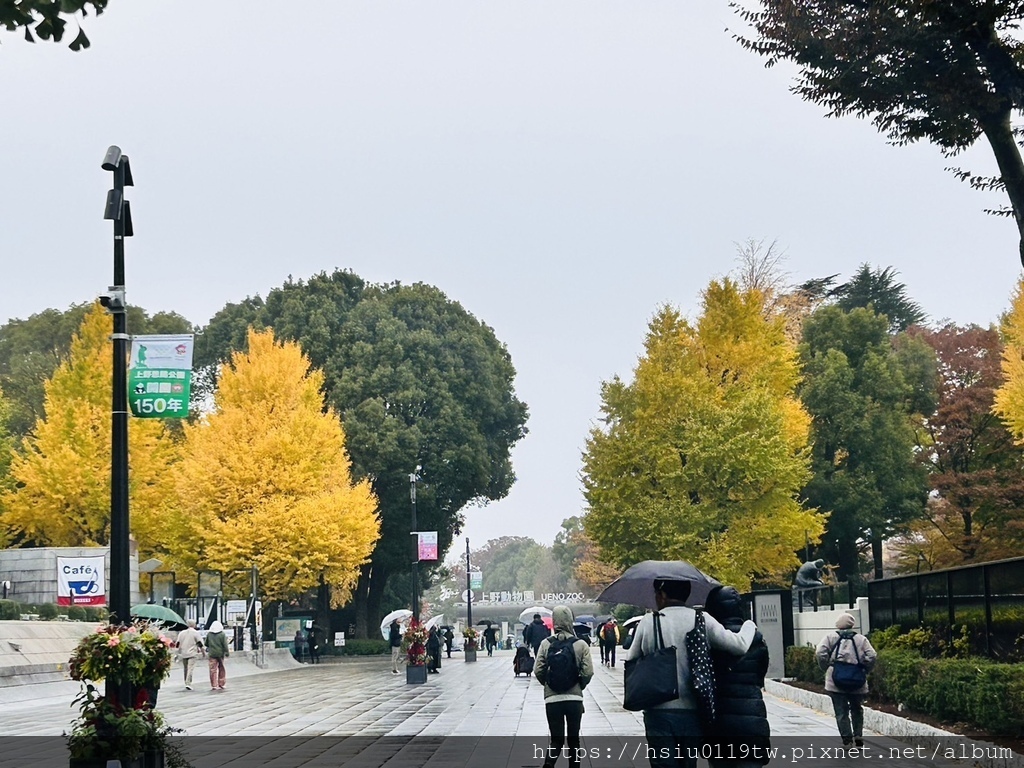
<point x="851" y="646"/>
<point x="562" y="619"/>
<point x="216" y="642"/>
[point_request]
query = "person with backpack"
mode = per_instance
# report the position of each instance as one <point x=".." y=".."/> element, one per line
<point x="565" y="668"/>
<point x="847" y="656"/>
<point x="609" y="641"/>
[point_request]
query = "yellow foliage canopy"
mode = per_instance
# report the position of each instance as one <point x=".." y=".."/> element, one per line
<point x="266" y="480"/>
<point x="1009" y="398"/>
<point x="62" y="475"/>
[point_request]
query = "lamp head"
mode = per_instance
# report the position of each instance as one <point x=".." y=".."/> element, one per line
<point x="113" y="157"/>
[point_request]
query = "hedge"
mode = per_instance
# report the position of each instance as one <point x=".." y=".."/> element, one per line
<point x="976" y="691"/>
<point x="9" y="610"/>
<point x="359" y="647"/>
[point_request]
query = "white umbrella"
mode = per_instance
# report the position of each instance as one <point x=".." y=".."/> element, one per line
<point x="631" y="622"/>
<point x="403" y="615"/>
<point x="436" y="621"/>
<point x="527" y="616"/>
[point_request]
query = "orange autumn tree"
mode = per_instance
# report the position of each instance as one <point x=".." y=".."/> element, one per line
<point x="266" y="480"/>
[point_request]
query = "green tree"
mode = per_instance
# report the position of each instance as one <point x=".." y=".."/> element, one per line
<point x="31" y="350"/>
<point x="265" y="480"/>
<point x="877" y="289"/>
<point x="859" y="388"/>
<point x="61" y="473"/>
<point x="702" y="455"/>
<point x="418" y="382"/>
<point x="47" y="19"/>
<point x="976" y="469"/>
<point x="947" y="72"/>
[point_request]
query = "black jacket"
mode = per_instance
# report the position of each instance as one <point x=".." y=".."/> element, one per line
<point x="742" y="717"/>
<point x="395" y="636"/>
<point x="535" y="633"/>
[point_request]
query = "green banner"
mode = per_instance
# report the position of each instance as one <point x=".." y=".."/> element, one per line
<point x="476" y="580"/>
<point x="160" y="376"/>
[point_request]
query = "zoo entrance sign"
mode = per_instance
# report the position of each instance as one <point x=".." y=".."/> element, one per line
<point x="530" y="597"/>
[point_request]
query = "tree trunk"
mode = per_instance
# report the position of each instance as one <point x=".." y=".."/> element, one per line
<point x="360" y="597"/>
<point x="999" y="132"/>
<point x="876" y="553"/>
<point x="378" y="580"/>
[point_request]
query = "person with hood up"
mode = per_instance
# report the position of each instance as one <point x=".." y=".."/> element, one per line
<point x="741" y="726"/>
<point x="536" y="631"/>
<point x="216" y="652"/>
<point x="674" y="728"/>
<point x="848" y="646"/>
<point x="564" y="708"/>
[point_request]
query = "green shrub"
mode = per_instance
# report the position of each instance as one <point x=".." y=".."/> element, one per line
<point x="9" y="610"/>
<point x="48" y="612"/>
<point x="801" y="664"/>
<point x="94" y="613"/>
<point x="977" y="691"/>
<point x="357" y="647"/>
<point x="76" y="613"/>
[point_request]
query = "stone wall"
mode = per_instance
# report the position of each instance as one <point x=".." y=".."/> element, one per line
<point x="33" y="572"/>
<point x="810" y="626"/>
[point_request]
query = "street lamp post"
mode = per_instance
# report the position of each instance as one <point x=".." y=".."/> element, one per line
<point x="469" y="591"/>
<point x="413" y="477"/>
<point x="118" y="210"/>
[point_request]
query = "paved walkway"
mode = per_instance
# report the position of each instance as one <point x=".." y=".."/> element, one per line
<point x="360" y="696"/>
<point x="354" y="712"/>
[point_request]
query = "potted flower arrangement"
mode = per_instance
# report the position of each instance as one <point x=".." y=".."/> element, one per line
<point x="472" y="639"/>
<point x="136" y="656"/>
<point x="414" y="642"/>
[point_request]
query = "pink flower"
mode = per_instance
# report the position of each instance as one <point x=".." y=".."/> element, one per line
<point x="114" y="641"/>
<point x="166" y="641"/>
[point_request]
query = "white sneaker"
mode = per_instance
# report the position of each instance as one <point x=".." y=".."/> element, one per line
<point x="188" y="687"/>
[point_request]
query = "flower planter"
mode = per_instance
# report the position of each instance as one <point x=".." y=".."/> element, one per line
<point x="416" y="674"/>
<point x="153" y="759"/>
<point x="471" y="654"/>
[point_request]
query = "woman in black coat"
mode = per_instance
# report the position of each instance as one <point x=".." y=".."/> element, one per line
<point x="433" y="650"/>
<point x="740" y="735"/>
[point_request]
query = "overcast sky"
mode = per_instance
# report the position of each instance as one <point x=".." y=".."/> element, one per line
<point x="561" y="169"/>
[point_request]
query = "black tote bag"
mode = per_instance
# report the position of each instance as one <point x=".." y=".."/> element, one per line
<point x="702" y="671"/>
<point x="651" y="680"/>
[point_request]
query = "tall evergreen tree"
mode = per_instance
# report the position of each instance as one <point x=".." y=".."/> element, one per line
<point x="861" y="391"/>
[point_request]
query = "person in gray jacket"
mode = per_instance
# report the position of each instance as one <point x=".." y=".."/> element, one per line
<point x="851" y="647"/>
<point x="564" y="708"/>
<point x="190" y="647"/>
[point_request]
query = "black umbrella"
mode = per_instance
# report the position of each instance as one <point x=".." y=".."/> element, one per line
<point x="636" y="585"/>
<point x="488" y="622"/>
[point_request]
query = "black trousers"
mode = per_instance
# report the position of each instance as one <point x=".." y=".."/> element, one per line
<point x="564" y="718"/>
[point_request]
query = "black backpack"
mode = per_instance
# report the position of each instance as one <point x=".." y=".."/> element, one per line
<point x="563" y="670"/>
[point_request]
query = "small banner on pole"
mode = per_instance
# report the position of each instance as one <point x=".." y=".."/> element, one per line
<point x="476" y="579"/>
<point x="160" y="376"/>
<point x="80" y="581"/>
<point x="428" y="545"/>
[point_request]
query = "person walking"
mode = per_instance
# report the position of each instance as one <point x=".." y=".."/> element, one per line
<point x="312" y="644"/>
<point x="673" y="728"/>
<point x="190" y="648"/>
<point x="601" y="645"/>
<point x="609" y="641"/>
<point x="535" y="633"/>
<point x="846" y="646"/>
<point x="395" y="641"/>
<point x="565" y="667"/>
<point x="449" y="638"/>
<point x="299" y="645"/>
<point x="491" y="638"/>
<point x="433" y="650"/>
<point x="741" y="735"/>
<point x="217" y="651"/>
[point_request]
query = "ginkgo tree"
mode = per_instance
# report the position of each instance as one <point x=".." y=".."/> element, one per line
<point x="60" y="476"/>
<point x="702" y="456"/>
<point x="1009" y="397"/>
<point x="266" y="480"/>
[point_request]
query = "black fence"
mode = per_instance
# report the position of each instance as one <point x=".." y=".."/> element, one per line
<point x="987" y="599"/>
<point x="824" y="598"/>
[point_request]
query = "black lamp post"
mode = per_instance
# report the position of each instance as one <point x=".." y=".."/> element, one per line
<point x="119" y="211"/>
<point x="469" y="591"/>
<point x="413" y="477"/>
